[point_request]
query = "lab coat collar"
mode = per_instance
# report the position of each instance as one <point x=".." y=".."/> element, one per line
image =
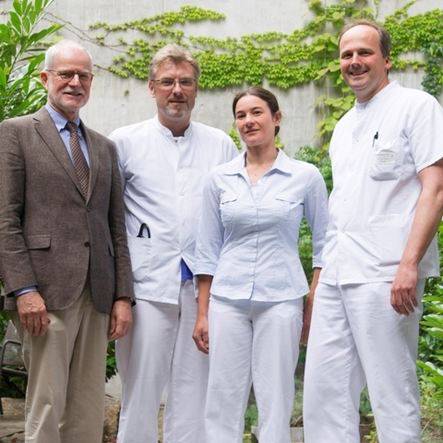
<point x="168" y="133"/>
<point x="377" y="97"/>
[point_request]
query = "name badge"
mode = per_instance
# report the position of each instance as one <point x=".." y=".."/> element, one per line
<point x="385" y="156"/>
<point x="384" y="153"/>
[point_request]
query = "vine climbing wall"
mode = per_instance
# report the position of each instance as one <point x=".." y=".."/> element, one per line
<point x="287" y="46"/>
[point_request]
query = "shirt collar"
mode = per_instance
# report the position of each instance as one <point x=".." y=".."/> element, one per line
<point x="58" y="119"/>
<point x="282" y="163"/>
<point x="168" y="133"/>
<point x="377" y="97"/>
<point x="237" y="166"/>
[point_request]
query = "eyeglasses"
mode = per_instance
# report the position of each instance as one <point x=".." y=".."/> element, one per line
<point x="83" y="76"/>
<point x="169" y="83"/>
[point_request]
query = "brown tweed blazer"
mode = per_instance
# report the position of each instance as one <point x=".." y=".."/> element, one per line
<point x="49" y="235"/>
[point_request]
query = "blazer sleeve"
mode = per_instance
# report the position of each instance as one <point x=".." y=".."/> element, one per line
<point x="123" y="271"/>
<point x="16" y="267"/>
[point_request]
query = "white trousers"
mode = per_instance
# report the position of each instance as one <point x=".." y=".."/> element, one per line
<point x="258" y="342"/>
<point x="356" y="338"/>
<point x="159" y="349"/>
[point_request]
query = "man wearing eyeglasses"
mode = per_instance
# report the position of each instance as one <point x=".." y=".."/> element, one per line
<point x="63" y="252"/>
<point x="163" y="162"/>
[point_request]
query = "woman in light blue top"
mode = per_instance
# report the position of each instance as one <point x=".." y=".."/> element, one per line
<point x="247" y="259"/>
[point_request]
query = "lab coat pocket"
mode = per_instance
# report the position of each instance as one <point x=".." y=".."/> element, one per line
<point x="387" y="160"/>
<point x="140" y="252"/>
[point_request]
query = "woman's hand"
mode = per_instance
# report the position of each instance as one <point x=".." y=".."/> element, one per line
<point x="200" y="334"/>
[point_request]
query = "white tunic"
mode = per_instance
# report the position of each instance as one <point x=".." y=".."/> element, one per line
<point x="377" y="150"/>
<point x="163" y="178"/>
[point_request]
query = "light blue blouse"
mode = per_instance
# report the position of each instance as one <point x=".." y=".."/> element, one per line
<point x="248" y="234"/>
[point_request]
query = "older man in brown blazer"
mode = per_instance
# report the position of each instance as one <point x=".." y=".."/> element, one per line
<point x="63" y="253"/>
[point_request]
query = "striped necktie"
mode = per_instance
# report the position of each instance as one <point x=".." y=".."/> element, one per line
<point x="78" y="159"/>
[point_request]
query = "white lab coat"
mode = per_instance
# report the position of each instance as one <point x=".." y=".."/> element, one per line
<point x="162" y="178"/>
<point x="377" y="150"/>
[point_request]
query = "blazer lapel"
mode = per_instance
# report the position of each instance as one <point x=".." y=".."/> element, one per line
<point x="94" y="163"/>
<point x="48" y="132"/>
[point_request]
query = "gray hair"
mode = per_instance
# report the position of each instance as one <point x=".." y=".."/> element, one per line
<point x="173" y="53"/>
<point x="53" y="50"/>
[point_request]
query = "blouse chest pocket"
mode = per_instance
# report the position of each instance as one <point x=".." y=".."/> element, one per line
<point x="289" y="206"/>
<point x="387" y="160"/>
<point x="228" y="204"/>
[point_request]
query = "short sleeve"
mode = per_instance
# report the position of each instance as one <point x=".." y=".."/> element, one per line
<point x="426" y="133"/>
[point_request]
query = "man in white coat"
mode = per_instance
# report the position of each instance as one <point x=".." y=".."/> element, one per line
<point x="163" y="162"/>
<point x="385" y="208"/>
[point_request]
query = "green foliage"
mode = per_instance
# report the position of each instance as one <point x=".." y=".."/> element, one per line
<point x="365" y="404"/>
<point x="432" y="418"/>
<point x="4" y="318"/>
<point x="282" y="60"/>
<point x="111" y="363"/>
<point x="431" y="335"/>
<point x="433" y="79"/>
<point x="251" y="417"/>
<point x="21" y="53"/>
<point x="233" y="133"/>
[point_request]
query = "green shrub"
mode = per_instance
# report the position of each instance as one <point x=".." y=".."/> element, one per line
<point x="21" y="53"/>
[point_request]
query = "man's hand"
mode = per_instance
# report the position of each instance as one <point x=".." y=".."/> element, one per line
<point x="200" y="334"/>
<point x="307" y="314"/>
<point x="404" y="289"/>
<point x="32" y="313"/>
<point x="428" y="215"/>
<point x="121" y="319"/>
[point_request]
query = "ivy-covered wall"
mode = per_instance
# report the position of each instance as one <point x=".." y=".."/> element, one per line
<point x="285" y="61"/>
<point x="289" y="46"/>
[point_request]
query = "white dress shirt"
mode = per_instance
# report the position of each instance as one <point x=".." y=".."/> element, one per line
<point x="376" y="151"/>
<point x="248" y="234"/>
<point x="163" y="178"/>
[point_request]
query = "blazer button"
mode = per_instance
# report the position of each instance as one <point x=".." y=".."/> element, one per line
<point x="87" y="244"/>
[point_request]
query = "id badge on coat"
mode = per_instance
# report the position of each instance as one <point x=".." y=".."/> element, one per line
<point x="387" y="159"/>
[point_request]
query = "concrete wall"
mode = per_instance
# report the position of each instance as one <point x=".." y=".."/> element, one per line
<point x="115" y="102"/>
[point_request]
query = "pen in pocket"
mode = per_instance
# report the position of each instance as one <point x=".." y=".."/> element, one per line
<point x="144" y="227"/>
<point x="375" y="138"/>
